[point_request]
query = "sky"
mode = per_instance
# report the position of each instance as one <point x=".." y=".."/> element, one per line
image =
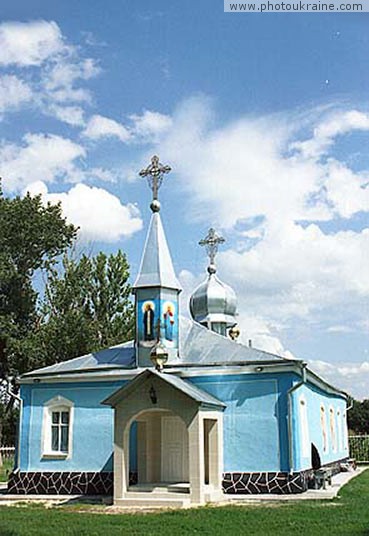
<point x="264" y="119"/>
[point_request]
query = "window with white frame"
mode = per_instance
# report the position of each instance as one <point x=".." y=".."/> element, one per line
<point x="57" y="428"/>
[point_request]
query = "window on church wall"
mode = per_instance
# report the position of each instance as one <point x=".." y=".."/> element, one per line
<point x="59" y="431"/>
<point x="304" y="428"/>
<point x="57" y="428"/>
<point x="332" y="429"/>
<point x="323" y="426"/>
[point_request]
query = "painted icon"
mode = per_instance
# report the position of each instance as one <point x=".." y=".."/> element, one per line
<point x="148" y="309"/>
<point x="168" y="320"/>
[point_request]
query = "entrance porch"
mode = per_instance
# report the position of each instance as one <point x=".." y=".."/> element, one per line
<point x="179" y="447"/>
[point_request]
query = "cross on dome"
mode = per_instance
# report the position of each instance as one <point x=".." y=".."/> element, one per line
<point x="211" y="243"/>
<point x="155" y="173"/>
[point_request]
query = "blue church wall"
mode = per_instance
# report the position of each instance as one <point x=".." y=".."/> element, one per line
<point x="255" y="424"/>
<point x="92" y="443"/>
<point x="255" y="419"/>
<point x="325" y="428"/>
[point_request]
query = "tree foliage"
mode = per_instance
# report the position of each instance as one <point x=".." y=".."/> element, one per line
<point x="358" y="417"/>
<point x="87" y="307"/>
<point x="32" y="237"/>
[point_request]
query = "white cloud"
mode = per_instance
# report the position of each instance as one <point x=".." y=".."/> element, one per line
<point x="103" y="127"/>
<point x="43" y="157"/>
<point x="352" y="378"/>
<point x="336" y="124"/>
<point x="99" y="214"/>
<point x="72" y="115"/>
<point x="13" y="93"/>
<point x="29" y="43"/>
<point x="244" y="177"/>
<point x="150" y="125"/>
<point x="61" y="78"/>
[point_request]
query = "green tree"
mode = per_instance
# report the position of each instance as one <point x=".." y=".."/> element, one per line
<point x="87" y="307"/>
<point x="358" y="417"/>
<point x="32" y="237"/>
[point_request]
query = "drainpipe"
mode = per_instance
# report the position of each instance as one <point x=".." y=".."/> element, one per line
<point x="289" y="402"/>
<point x="20" y="402"/>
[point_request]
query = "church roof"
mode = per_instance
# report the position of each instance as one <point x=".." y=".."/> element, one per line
<point x="121" y="356"/>
<point x="156" y="268"/>
<point x="197" y="346"/>
<point x="192" y="391"/>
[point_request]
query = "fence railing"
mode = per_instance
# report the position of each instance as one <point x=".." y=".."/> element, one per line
<point x="359" y="448"/>
<point x="7" y="452"/>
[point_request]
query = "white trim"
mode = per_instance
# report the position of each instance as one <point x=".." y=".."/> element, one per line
<point x="339" y="430"/>
<point x="332" y="428"/>
<point x="57" y="403"/>
<point x="187" y="372"/>
<point x="324" y="428"/>
<point x="304" y="427"/>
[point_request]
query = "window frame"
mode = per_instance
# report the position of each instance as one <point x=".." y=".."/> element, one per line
<point x="56" y="404"/>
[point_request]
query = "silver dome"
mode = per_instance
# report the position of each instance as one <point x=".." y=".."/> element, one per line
<point x="213" y="303"/>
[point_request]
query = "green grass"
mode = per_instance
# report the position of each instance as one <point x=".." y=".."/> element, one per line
<point x="5" y="469"/>
<point x="344" y="516"/>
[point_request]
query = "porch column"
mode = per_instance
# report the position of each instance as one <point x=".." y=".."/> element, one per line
<point x="121" y="454"/>
<point x="196" y="461"/>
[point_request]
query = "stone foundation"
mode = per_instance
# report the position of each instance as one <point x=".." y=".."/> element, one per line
<point x="101" y="483"/>
<point x="57" y="483"/>
<point x="256" y="483"/>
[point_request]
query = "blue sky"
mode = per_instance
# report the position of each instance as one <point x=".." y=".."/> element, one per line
<point x="264" y="120"/>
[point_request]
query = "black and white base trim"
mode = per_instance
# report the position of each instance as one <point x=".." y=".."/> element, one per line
<point x="256" y="483"/>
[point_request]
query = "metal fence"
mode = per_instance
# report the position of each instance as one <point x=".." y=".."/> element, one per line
<point x="359" y="448"/>
<point x="7" y="452"/>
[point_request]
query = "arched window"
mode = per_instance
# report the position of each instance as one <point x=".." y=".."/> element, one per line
<point x="332" y="429"/>
<point x="304" y="428"/>
<point x="57" y="428"/>
<point x="323" y="426"/>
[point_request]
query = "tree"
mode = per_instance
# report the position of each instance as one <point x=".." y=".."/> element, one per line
<point x="358" y="417"/>
<point x="87" y="307"/>
<point x="32" y="237"/>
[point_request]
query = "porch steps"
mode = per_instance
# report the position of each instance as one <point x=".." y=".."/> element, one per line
<point x="149" y="500"/>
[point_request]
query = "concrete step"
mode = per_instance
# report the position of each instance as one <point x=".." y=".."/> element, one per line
<point x="156" y="494"/>
<point x="153" y="502"/>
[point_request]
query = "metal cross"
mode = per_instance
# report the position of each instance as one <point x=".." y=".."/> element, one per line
<point x="211" y="242"/>
<point x="154" y="174"/>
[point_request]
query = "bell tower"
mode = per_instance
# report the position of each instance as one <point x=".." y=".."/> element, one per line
<point x="156" y="288"/>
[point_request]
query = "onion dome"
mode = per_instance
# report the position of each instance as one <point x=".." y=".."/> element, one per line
<point x="213" y="303"/>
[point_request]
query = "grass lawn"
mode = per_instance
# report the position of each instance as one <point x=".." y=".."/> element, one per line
<point x="346" y="515"/>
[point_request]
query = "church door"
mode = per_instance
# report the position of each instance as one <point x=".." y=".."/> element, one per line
<point x="174" y="450"/>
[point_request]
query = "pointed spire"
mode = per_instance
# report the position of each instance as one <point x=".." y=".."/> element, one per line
<point x="156" y="268"/>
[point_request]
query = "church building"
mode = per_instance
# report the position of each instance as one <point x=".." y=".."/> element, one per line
<point x="185" y="413"/>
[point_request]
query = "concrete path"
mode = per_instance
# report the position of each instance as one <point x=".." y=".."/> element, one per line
<point x="332" y="491"/>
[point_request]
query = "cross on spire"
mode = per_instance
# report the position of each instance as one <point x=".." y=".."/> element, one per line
<point x="211" y="242"/>
<point x="155" y="173"/>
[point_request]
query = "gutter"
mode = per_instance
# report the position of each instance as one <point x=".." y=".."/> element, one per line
<point x="289" y="402"/>
<point x="20" y="402"/>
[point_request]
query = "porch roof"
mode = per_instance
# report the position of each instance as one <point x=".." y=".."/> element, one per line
<point x="192" y="391"/>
